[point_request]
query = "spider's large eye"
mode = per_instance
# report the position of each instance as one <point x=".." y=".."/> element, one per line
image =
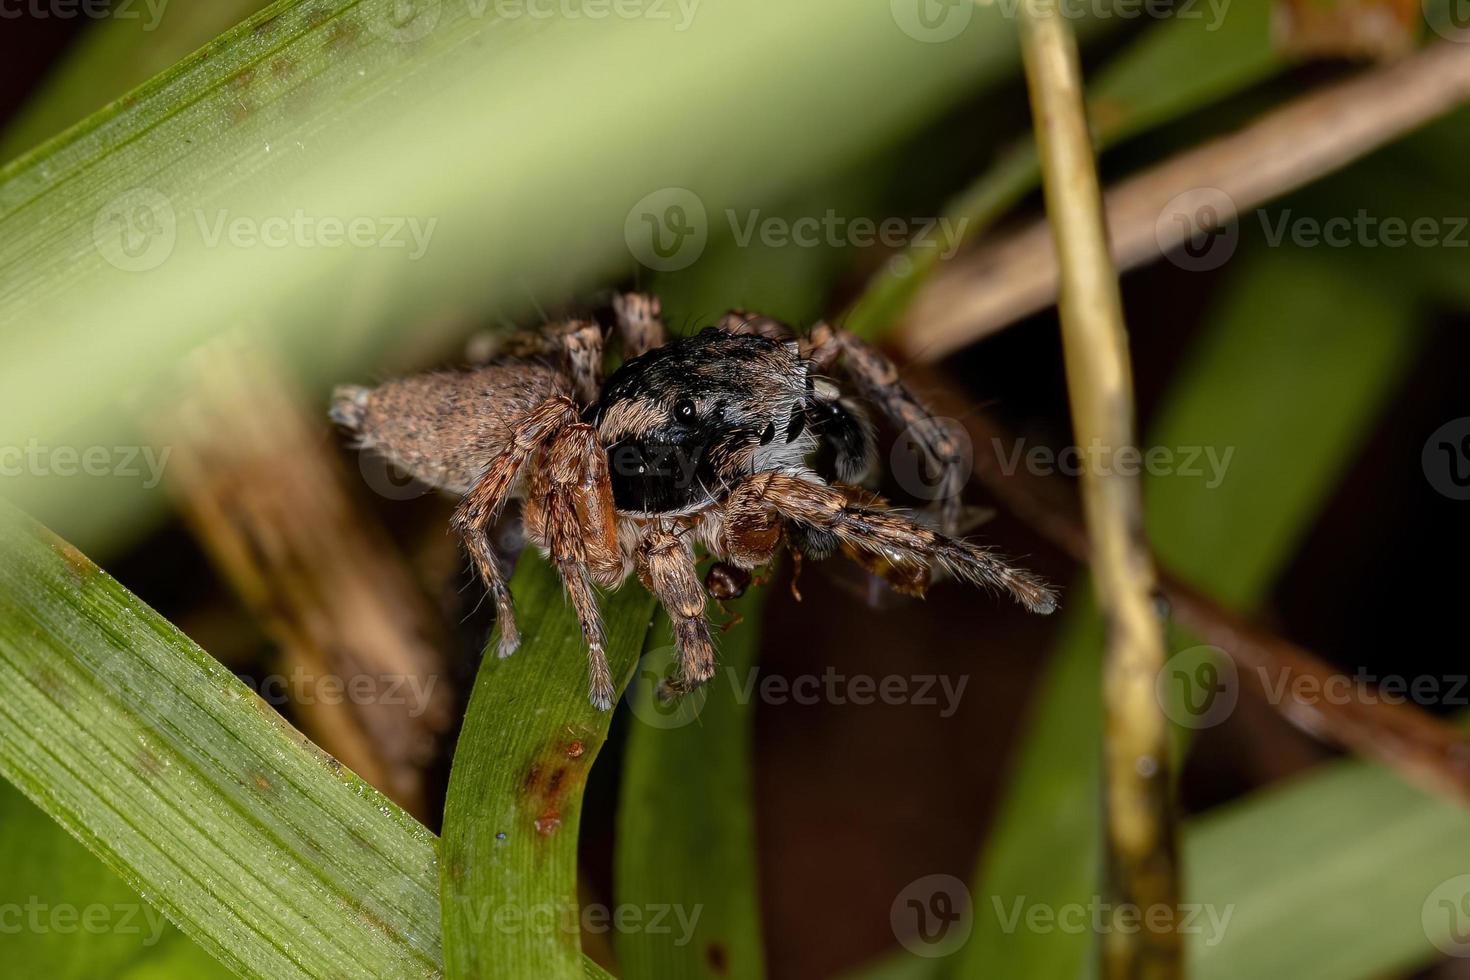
<point x="684" y="410"/>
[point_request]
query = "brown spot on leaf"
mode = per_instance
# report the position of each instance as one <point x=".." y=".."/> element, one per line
<point x="343" y="34"/>
<point x="148" y="763"/>
<point x="718" y="958"/>
<point x="53" y="686"/>
<point x="556" y="774"/>
<point x="261" y="782"/>
<point x="244" y="79"/>
<point x="77" y="564"/>
<point x="283" y="67"/>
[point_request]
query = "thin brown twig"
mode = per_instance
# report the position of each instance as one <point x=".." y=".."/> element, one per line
<point x="1425" y="751"/>
<point x="1192" y="194"/>
<point x="1140" y="839"/>
<point x="270" y="504"/>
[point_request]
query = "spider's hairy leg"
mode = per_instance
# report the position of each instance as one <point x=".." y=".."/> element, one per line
<point x="478" y="510"/>
<point x="878" y="382"/>
<point x="667" y="569"/>
<point x="762" y="497"/>
<point x="640" y="323"/>
<point x="569" y="511"/>
<point x="580" y="343"/>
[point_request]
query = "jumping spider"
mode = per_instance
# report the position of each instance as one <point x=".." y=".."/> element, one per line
<point x="708" y="439"/>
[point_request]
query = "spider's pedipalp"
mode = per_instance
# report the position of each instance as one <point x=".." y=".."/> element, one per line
<point x="666" y="567"/>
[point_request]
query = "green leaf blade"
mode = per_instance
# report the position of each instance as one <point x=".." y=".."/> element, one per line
<point x="530" y="736"/>
<point x="249" y="838"/>
<point x="686" y="826"/>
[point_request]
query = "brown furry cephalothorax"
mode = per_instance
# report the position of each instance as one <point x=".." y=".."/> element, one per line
<point x="708" y="439"/>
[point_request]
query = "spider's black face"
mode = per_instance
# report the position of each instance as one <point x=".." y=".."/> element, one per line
<point x="683" y="421"/>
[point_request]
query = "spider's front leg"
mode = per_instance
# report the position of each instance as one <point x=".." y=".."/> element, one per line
<point x="667" y="568"/>
<point x="477" y="512"/>
<point x="569" y="511"/>
<point x="759" y="503"/>
<point x="878" y="382"/>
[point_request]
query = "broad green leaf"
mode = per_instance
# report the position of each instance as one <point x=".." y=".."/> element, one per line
<point x="249" y="838"/>
<point x="1292" y="367"/>
<point x="66" y="916"/>
<point x="1176" y="68"/>
<point x="1345" y="872"/>
<point x="509" y="872"/>
<point x="686" y="834"/>
<point x="500" y="138"/>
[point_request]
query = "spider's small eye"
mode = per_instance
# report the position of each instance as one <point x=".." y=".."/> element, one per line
<point x="768" y="434"/>
<point x="684" y="410"/>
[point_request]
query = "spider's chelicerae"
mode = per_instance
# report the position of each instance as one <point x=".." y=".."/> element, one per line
<point x="710" y="439"/>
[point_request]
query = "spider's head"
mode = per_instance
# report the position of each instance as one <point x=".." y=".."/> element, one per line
<point x="682" y="422"/>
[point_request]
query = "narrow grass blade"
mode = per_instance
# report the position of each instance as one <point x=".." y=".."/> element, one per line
<point x="257" y="844"/>
<point x="686" y="834"/>
<point x="509" y="877"/>
<point x="122" y="51"/>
